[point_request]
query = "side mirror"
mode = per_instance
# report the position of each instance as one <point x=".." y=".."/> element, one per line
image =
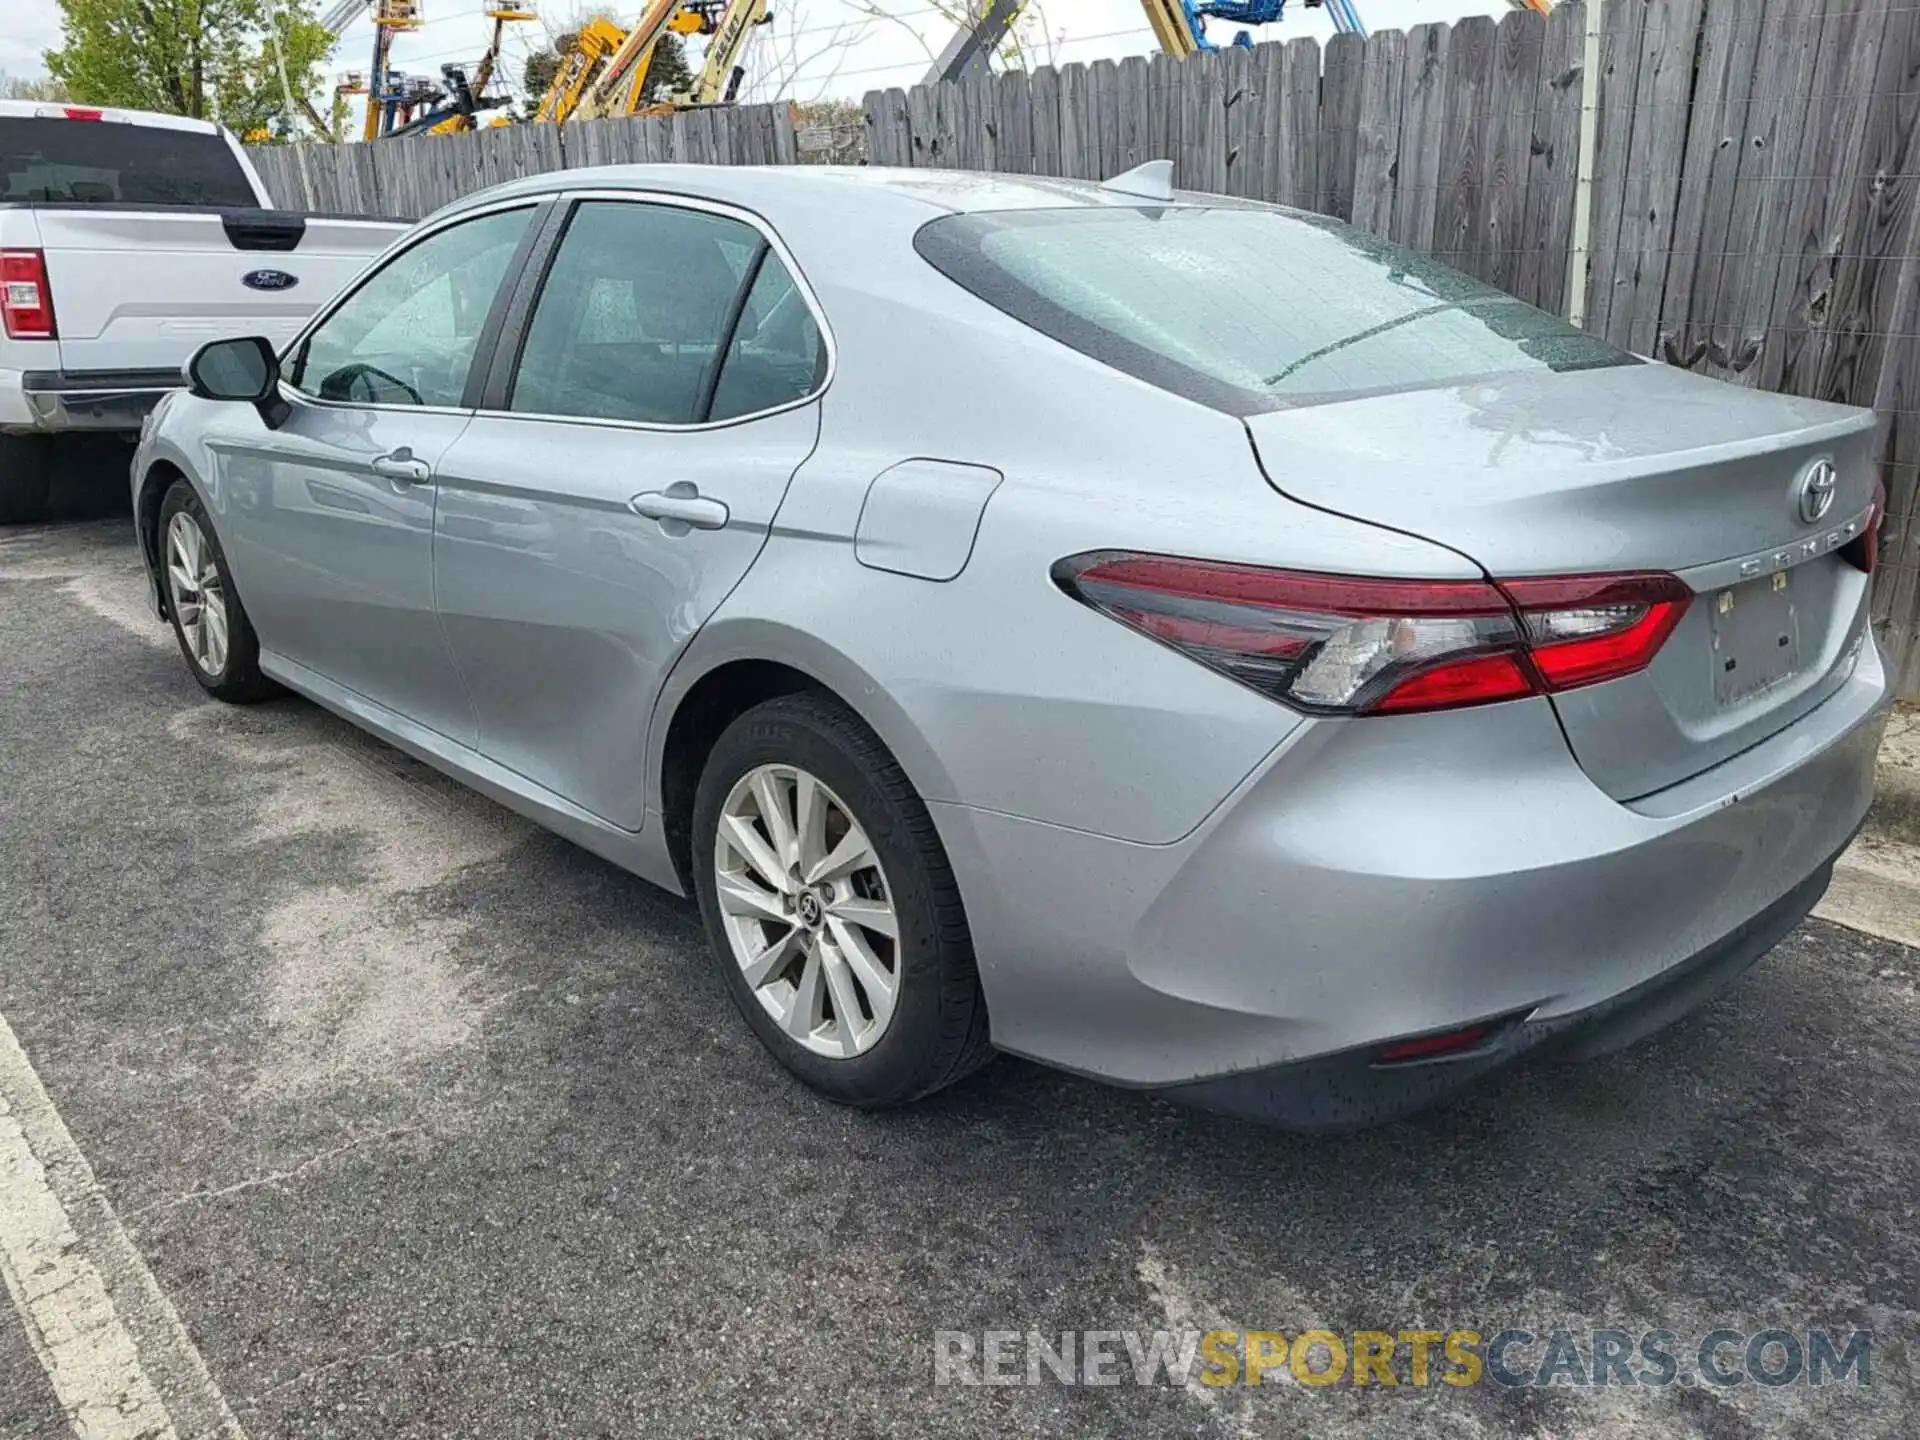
<point x="246" y="370"/>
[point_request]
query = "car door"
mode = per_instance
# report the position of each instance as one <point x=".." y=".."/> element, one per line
<point x="636" y="438"/>
<point x="332" y="514"/>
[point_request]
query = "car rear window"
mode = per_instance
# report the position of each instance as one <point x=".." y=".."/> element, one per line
<point x="1249" y="309"/>
<point x="108" y="162"/>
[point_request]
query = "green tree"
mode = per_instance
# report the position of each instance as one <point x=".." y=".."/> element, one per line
<point x="669" y="71"/>
<point x="210" y="59"/>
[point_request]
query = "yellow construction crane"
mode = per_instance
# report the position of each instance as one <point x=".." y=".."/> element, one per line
<point x="388" y="94"/>
<point x="580" y="66"/>
<point x="604" y="71"/>
<point x="729" y="27"/>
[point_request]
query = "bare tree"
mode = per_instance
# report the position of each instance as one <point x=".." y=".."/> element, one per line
<point x="792" y="59"/>
<point x="31" y="87"/>
<point x="1028" y="43"/>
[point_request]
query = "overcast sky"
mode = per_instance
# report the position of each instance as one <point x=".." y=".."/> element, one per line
<point x="814" y="48"/>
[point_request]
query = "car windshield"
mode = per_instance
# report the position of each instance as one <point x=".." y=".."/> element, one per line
<point x="1249" y="309"/>
<point x="107" y="162"/>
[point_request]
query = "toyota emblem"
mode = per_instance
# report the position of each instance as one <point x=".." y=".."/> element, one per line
<point x="1816" y="491"/>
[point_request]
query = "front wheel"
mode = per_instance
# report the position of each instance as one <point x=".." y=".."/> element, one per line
<point x="831" y="908"/>
<point x="208" y="620"/>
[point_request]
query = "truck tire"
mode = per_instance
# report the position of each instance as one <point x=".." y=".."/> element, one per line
<point x="24" y="479"/>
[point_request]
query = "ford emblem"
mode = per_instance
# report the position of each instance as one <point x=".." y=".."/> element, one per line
<point x="269" y="280"/>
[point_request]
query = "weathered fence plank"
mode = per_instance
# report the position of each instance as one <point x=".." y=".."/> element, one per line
<point x="1500" y="214"/>
<point x="1242" y="153"/>
<point x="1377" y="158"/>
<point x="1423" y="108"/>
<point x="1015" y="105"/>
<point x="1463" y="141"/>
<point x="1547" y="234"/>
<point x="1340" y="94"/>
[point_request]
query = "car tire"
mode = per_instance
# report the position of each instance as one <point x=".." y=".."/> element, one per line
<point x="25" y="478"/>
<point x="208" y="619"/>
<point x="935" y="1030"/>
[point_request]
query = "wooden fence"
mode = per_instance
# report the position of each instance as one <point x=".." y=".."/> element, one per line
<point x="1753" y="193"/>
<point x="415" y="176"/>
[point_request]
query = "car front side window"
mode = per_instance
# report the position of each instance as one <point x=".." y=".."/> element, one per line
<point x="407" y="336"/>
<point x="635" y="318"/>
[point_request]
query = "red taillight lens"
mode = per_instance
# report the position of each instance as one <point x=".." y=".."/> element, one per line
<point x="1587" y="628"/>
<point x="1343" y="644"/>
<point x="1863" y="553"/>
<point x="26" y="300"/>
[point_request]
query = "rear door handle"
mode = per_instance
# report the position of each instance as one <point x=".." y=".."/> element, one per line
<point x="683" y="502"/>
<point x="401" y="465"/>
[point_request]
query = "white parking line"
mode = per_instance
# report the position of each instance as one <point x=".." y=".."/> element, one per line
<point x="110" y="1341"/>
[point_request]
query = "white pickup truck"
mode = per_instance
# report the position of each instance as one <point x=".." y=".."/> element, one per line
<point x="128" y="240"/>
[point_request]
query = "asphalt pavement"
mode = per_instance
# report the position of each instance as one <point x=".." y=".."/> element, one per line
<point x="423" y="1122"/>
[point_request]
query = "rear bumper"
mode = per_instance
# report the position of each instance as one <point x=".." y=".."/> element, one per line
<point x="57" y="401"/>
<point x="1350" y="1090"/>
<point x="1391" y="877"/>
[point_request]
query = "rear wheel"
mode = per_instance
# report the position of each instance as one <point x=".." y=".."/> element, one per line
<point x="24" y="479"/>
<point x="831" y="908"/>
<point x="208" y="620"/>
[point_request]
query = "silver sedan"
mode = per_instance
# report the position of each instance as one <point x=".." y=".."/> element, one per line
<point x="1176" y="639"/>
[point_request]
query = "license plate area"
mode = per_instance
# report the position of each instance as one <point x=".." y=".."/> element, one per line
<point x="1756" y="638"/>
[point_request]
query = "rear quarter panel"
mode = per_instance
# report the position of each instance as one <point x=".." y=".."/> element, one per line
<point x="993" y="688"/>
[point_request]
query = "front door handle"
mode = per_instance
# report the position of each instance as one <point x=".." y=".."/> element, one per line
<point x="401" y="465"/>
<point x="683" y="502"/>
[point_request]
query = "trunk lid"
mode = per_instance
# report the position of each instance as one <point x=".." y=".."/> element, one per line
<point x="1637" y="467"/>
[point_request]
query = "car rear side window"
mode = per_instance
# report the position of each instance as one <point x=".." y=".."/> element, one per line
<point x="642" y="318"/>
<point x="776" y="355"/>
<point x="109" y="162"/>
<point x="1249" y="309"/>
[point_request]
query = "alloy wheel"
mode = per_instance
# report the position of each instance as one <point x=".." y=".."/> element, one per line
<point x="808" y="913"/>
<point x="199" y="601"/>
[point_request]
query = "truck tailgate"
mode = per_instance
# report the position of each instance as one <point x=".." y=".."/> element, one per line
<point x="141" y="289"/>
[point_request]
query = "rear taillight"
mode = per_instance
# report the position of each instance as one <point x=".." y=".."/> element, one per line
<point x="1337" y="644"/>
<point x="26" y="301"/>
<point x="1863" y="552"/>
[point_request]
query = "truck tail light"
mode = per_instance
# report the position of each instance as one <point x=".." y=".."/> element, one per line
<point x="26" y="300"/>
<point x="1863" y="552"/>
<point x="1346" y="645"/>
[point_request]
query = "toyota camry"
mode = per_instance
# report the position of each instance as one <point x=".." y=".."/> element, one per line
<point x="1177" y="639"/>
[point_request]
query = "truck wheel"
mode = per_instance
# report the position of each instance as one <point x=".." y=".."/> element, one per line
<point x="24" y="479"/>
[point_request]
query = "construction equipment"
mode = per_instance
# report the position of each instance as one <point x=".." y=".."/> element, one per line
<point x="1178" y="25"/>
<point x="604" y="71"/>
<point x="473" y="84"/>
<point x="729" y="26"/>
<point x="580" y="66"/>
<point x="457" y="104"/>
<point x="620" y="86"/>
<point x="392" y="97"/>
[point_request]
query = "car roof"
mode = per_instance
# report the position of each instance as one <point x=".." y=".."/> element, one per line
<point x="880" y="187"/>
